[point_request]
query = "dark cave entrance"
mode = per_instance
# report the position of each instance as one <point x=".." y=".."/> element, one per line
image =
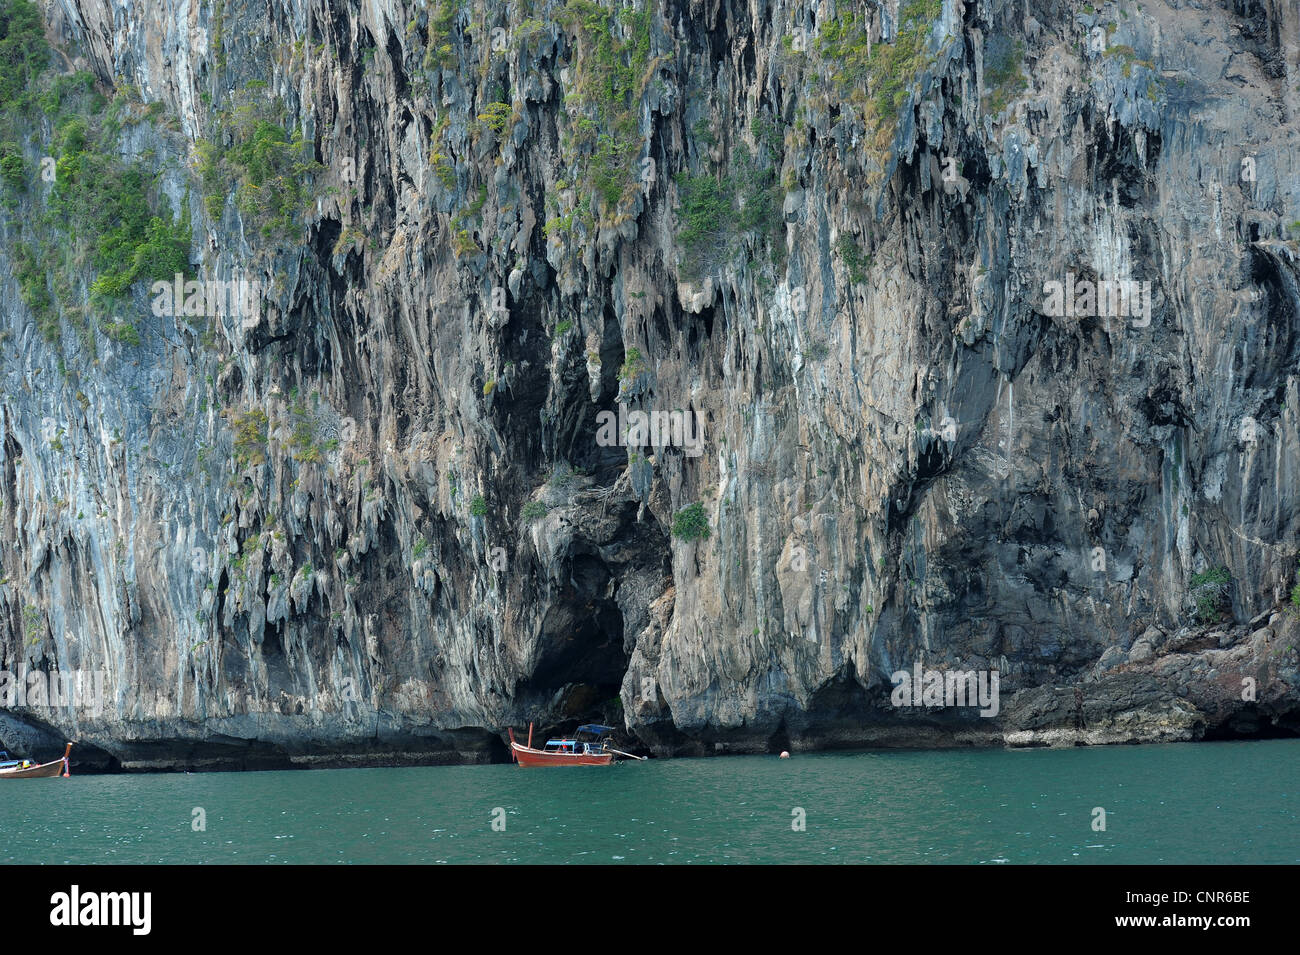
<point x="582" y="657"/>
<point x="1250" y="723"/>
<point x="839" y="708"/>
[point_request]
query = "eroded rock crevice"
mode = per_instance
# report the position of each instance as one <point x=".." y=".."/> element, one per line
<point x="373" y="522"/>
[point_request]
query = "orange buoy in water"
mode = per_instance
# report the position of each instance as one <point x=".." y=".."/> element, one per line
<point x="785" y="754"/>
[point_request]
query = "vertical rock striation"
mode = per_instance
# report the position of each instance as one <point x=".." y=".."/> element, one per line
<point x="372" y="519"/>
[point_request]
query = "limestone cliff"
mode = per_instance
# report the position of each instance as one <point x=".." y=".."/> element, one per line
<point x="364" y="512"/>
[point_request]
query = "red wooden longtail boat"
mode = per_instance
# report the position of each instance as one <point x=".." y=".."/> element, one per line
<point x="24" y="769"/>
<point x="565" y="752"/>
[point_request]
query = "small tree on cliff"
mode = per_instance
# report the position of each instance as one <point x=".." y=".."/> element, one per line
<point x="1210" y="591"/>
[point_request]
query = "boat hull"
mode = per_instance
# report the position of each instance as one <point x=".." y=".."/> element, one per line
<point x="58" y="767"/>
<point x="43" y="771"/>
<point x="526" y="756"/>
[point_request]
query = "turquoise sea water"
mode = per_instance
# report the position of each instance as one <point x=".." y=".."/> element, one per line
<point x="1187" y="803"/>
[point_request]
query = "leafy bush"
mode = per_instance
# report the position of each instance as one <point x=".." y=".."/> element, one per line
<point x="703" y="227"/>
<point x="691" y="523"/>
<point x="33" y="625"/>
<point x="462" y="243"/>
<point x="120" y="332"/>
<point x="496" y="116"/>
<point x="855" y="262"/>
<point x="886" y="69"/>
<point x="163" y="251"/>
<point x="250" y="429"/>
<point x="534" y="511"/>
<point x="13" y="169"/>
<point x="634" y="364"/>
<point x="108" y="207"/>
<point x="1209" y="589"/>
<point x="478" y="507"/>
<point x="444" y="170"/>
<point x="74" y="92"/>
<point x="304" y="434"/>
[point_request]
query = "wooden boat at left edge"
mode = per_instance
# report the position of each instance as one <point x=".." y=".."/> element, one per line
<point x="14" y="769"/>
<point x="560" y="752"/>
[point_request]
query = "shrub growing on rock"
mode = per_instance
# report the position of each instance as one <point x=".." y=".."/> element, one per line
<point x="691" y="523"/>
<point x="1210" y="591"/>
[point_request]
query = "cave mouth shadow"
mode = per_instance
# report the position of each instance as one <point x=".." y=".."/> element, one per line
<point x="1250" y="723"/>
<point x="582" y="658"/>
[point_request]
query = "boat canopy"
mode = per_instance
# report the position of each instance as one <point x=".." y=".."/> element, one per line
<point x="595" y="728"/>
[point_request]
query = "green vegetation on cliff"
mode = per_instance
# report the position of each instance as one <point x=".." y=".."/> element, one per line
<point x="875" y="77"/>
<point x="856" y="262"/>
<point x="440" y="54"/>
<point x="691" y="523"/>
<point x="1210" y="591"/>
<point x="106" y="204"/>
<point x="304" y="432"/>
<point x="23" y="54"/>
<point x="717" y="209"/>
<point x="608" y="64"/>
<point x="611" y="68"/>
<point x="250" y="430"/>
<point x="271" y="172"/>
<point x="101" y="212"/>
<point x="1003" y="77"/>
<point x="882" y="71"/>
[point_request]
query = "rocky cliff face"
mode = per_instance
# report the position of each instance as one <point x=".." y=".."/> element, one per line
<point x="373" y="515"/>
